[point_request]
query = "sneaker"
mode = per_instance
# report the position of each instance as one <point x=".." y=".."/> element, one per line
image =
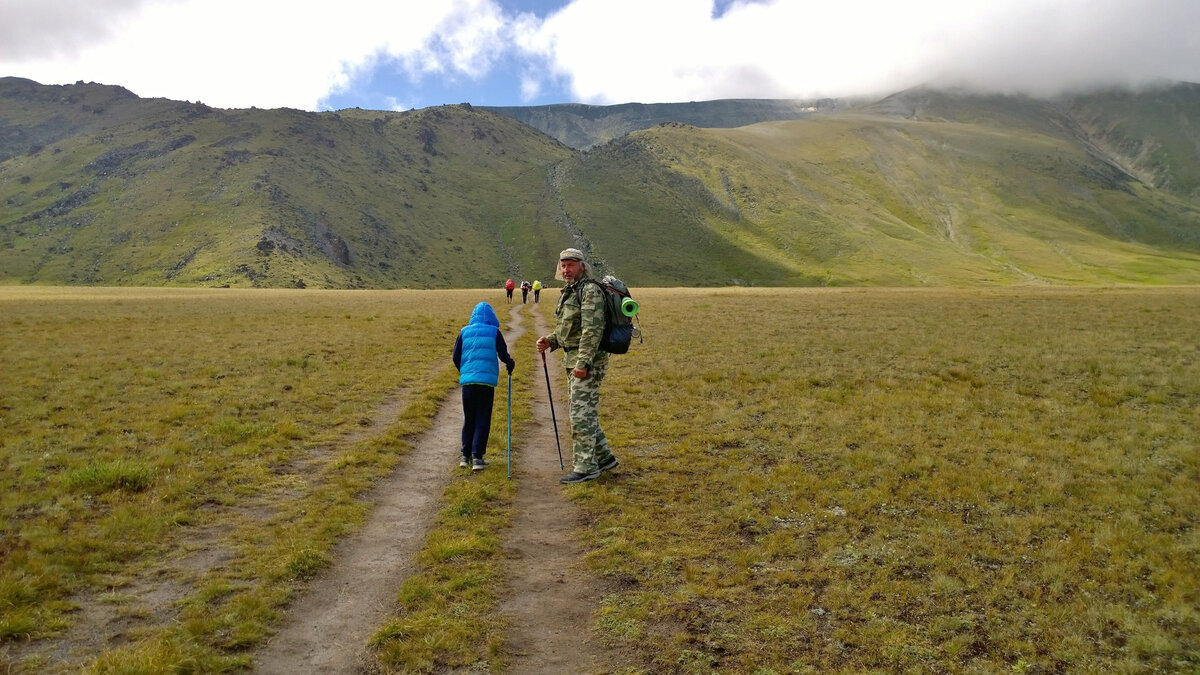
<point x="609" y="465"/>
<point x="479" y="465"/>
<point x="463" y="463"/>
<point x="576" y="477"/>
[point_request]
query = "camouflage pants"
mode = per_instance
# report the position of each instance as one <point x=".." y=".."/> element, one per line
<point x="588" y="442"/>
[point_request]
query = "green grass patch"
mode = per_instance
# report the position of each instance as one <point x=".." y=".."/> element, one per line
<point x="116" y="475"/>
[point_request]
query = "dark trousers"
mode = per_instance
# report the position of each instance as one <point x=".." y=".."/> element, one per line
<point x="477" y="419"/>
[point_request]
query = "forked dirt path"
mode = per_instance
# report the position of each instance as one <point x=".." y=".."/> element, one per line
<point x="548" y="600"/>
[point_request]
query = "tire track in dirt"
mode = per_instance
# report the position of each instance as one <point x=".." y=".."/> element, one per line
<point x="549" y="600"/>
<point x="154" y="595"/>
<point x="327" y="628"/>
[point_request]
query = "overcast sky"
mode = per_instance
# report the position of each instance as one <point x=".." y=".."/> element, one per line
<point x="401" y="54"/>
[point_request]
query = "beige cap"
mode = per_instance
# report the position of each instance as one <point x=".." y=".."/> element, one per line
<point x="571" y="254"/>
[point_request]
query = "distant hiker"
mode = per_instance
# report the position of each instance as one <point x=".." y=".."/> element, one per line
<point x="537" y="290"/>
<point x="508" y="287"/>
<point x="577" y="330"/>
<point x="525" y="286"/>
<point x="476" y="351"/>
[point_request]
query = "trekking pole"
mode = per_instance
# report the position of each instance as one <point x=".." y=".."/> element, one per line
<point x="552" y="417"/>
<point x="510" y="425"/>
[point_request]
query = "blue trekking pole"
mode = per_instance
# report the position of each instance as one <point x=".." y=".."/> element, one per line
<point x="510" y="425"/>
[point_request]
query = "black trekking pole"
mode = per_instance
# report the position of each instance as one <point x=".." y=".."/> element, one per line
<point x="510" y="425"/>
<point x="552" y="417"/>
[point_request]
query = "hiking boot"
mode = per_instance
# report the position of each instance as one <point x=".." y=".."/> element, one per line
<point x="463" y="463"/>
<point x="479" y="464"/>
<point x="609" y="465"/>
<point x="576" y="477"/>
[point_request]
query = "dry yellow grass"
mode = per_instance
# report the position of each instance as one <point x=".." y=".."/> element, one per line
<point x="206" y="446"/>
<point x="905" y="480"/>
<point x="827" y="480"/>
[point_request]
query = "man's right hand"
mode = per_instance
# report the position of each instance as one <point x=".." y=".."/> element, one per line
<point x="543" y="344"/>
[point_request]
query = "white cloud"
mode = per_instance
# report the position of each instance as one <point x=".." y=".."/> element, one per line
<point x="57" y="27"/>
<point x="272" y="53"/>
<point x="396" y="104"/>
<point x="531" y="87"/>
<point x="1043" y="48"/>
<point x="238" y="53"/>
<point x="674" y="50"/>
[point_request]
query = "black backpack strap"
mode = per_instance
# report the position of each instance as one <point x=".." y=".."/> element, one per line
<point x="579" y="290"/>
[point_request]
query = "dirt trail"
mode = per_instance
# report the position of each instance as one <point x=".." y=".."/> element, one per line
<point x="548" y="600"/>
<point x="328" y="626"/>
<point x="153" y="597"/>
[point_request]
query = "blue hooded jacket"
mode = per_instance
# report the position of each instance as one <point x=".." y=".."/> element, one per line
<point x="480" y="344"/>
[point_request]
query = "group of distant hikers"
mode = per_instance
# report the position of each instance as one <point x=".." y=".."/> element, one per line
<point x="580" y="321"/>
<point x="536" y="287"/>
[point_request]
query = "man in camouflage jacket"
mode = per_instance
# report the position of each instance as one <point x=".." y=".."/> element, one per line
<point x="577" y="331"/>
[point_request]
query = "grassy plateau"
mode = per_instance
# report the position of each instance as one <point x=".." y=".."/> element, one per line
<point x="197" y="446"/>
<point x="811" y="480"/>
<point x="894" y="480"/>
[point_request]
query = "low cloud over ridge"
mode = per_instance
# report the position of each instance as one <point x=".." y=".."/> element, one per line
<point x="273" y="53"/>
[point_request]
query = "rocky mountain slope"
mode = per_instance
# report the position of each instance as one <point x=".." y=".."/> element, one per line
<point x="923" y="187"/>
<point x="583" y="126"/>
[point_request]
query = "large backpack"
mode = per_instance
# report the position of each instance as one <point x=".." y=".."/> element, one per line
<point x="619" y="311"/>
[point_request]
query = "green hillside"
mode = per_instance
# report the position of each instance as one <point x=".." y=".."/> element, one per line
<point x="155" y="192"/>
<point x="878" y="200"/>
<point x="1155" y="133"/>
<point x="924" y="187"/>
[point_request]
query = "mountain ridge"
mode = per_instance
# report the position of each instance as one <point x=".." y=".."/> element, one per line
<point x="925" y="187"/>
<point x="582" y="126"/>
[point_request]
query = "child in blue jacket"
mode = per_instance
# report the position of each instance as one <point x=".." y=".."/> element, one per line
<point x="479" y="346"/>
